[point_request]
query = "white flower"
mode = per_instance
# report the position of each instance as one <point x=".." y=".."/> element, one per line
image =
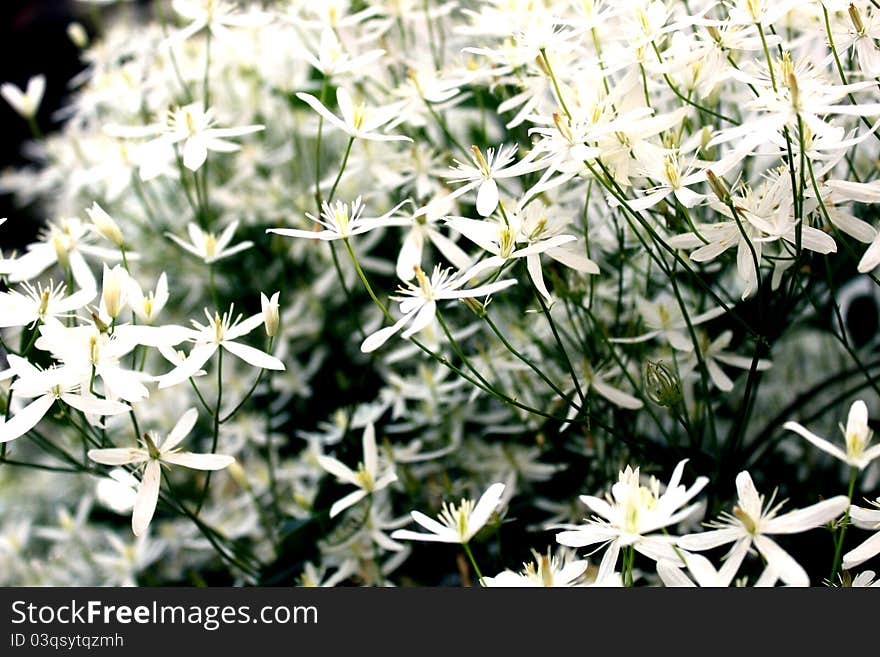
<point x="368" y="477"/>
<point x="629" y="515"/>
<point x="44" y="387"/>
<point x="704" y="573"/>
<point x="856" y="434"/>
<point x="341" y="221"/>
<point x="358" y="121"/>
<point x="526" y="234"/>
<point x="208" y="246"/>
<point x="423" y="227"/>
<point x="667" y="171"/>
<point x="153" y="454"/>
<point x="865" y="519"/>
<point x="714" y="355"/>
<point x="664" y="316"/>
<point x="484" y="171"/>
<point x="418" y="303"/>
<point x="216" y="16"/>
<point x="64" y="243"/>
<point x="544" y="571"/>
<point x="25" y="104"/>
<point x="147" y="307"/>
<point x="39" y="303"/>
<point x="500" y="238"/>
<point x="334" y="59"/>
<point x="191" y="124"/>
<point x="752" y="522"/>
<point x="458" y="524"/>
<point x="220" y="332"/>
<point x="91" y="354"/>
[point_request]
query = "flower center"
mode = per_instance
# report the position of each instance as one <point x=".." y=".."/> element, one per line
<point x="210" y="245"/>
<point x="44" y="304"/>
<point x="747" y="521"/>
<point x="506" y="242"/>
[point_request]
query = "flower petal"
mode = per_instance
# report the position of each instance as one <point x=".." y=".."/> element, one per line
<point x="788" y="570"/>
<point x="118" y="455"/>
<point x="349" y="500"/>
<point x="484" y="509"/>
<point x="199" y="461"/>
<point x="147" y="497"/>
<point x="26" y="419"/>
<point x="181" y="429"/>
<point x="487" y="197"/>
<point x="253" y="356"/>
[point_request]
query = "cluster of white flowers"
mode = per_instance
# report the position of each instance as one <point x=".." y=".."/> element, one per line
<point x="504" y="252"/>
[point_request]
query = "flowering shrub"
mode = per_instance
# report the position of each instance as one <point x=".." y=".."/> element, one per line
<point x="316" y="274"/>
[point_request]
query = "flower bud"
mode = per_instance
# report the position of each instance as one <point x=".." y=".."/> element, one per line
<point x="662" y="384"/>
<point x="100" y="324"/>
<point x="718" y="186"/>
<point x="78" y="35"/>
<point x="476" y="307"/>
<point x="114" y="294"/>
<point x="271" y="319"/>
<point x="238" y="475"/>
<point x="105" y="225"/>
<point x="856" y="18"/>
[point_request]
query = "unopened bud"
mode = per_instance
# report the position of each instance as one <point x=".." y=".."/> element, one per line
<point x="78" y="35"/>
<point x="271" y="318"/>
<point x="152" y="450"/>
<point x="542" y="64"/>
<point x="478" y="308"/>
<point x="115" y="285"/>
<point x="238" y="475"/>
<point x="104" y="224"/>
<point x="99" y="323"/>
<point x="856" y="18"/>
<point x="718" y="186"/>
<point x="662" y="384"/>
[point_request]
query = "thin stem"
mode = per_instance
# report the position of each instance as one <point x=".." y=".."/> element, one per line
<point x="467" y="549"/>
<point x="252" y="388"/>
<point x="555" y="84"/>
<point x="341" y="169"/>
<point x="559" y="343"/>
<point x="204" y="494"/>
<point x="838" y="549"/>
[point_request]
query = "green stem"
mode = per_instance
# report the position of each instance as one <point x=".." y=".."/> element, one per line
<point x="341" y="169"/>
<point x="839" y="548"/>
<point x="555" y="84"/>
<point x="249" y="392"/>
<point x="467" y="549"/>
<point x="216" y="432"/>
